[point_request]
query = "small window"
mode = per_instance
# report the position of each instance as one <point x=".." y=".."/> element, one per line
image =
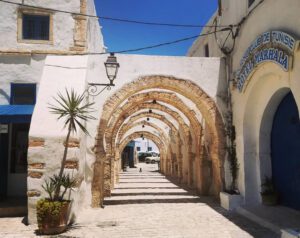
<point x="149" y="148"/>
<point x="138" y="148"/>
<point x="250" y="2"/>
<point x="35" y="27"/>
<point x="23" y="94"/>
<point x="206" y="50"/>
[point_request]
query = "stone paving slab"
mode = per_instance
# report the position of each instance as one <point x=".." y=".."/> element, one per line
<point x="177" y="215"/>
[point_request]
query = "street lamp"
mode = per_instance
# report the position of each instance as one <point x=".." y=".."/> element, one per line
<point x="111" y="67"/>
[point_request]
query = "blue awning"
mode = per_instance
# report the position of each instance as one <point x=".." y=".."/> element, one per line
<point x="16" y="113"/>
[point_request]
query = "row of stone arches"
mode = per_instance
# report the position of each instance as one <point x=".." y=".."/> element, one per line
<point x="181" y="141"/>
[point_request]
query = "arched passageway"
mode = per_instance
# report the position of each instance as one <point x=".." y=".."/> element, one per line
<point x="175" y="114"/>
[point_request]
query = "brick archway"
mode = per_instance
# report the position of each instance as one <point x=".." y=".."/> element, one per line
<point x="126" y="127"/>
<point x="186" y="88"/>
<point x="148" y="135"/>
<point x="170" y="98"/>
<point x="131" y="109"/>
<point x="192" y="133"/>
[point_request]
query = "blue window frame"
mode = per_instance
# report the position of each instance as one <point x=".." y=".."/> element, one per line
<point x="23" y="94"/>
<point x="35" y="27"/>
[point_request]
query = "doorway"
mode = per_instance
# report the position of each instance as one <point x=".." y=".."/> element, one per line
<point x="285" y="152"/>
<point x="13" y="159"/>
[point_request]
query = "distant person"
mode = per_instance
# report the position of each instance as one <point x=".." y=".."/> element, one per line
<point x="141" y="170"/>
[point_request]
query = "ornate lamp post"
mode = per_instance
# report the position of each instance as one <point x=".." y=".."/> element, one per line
<point x="111" y="67"/>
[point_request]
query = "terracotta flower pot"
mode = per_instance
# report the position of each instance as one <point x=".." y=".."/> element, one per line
<point x="52" y="216"/>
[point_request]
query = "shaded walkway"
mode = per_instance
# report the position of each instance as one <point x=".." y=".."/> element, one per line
<point x="148" y="205"/>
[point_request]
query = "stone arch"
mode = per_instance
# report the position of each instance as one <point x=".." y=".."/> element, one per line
<point x="160" y="117"/>
<point x="193" y="135"/>
<point x="159" y="143"/>
<point x="127" y="127"/>
<point x="170" y="98"/>
<point x="188" y="89"/>
<point x="152" y="115"/>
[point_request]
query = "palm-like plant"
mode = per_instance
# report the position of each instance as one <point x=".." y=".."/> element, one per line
<point x="75" y="112"/>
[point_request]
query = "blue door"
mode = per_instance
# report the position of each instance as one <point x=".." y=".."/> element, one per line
<point x="286" y="152"/>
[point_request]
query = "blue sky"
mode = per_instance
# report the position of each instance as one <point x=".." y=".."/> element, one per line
<point x="121" y="36"/>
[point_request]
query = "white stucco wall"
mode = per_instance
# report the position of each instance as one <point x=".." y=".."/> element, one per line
<point x="143" y="144"/>
<point x="207" y="73"/>
<point x="32" y="68"/>
<point x="75" y="71"/>
<point x="59" y="73"/>
<point x="63" y="25"/>
<point x="267" y="86"/>
<point x="18" y="69"/>
<point x="94" y="34"/>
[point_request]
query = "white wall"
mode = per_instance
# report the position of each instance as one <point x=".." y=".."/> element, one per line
<point x="18" y="69"/>
<point x="63" y="25"/>
<point x="94" y="34"/>
<point x="253" y="109"/>
<point x="207" y="73"/>
<point x="143" y="144"/>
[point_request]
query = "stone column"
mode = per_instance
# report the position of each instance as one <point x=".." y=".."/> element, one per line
<point x="107" y="178"/>
<point x="80" y="31"/>
<point x="191" y="169"/>
<point x="112" y="173"/>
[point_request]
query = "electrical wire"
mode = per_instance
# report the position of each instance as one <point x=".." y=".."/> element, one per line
<point x="114" y="19"/>
<point x="171" y="42"/>
<point x="224" y="28"/>
<point x="124" y="51"/>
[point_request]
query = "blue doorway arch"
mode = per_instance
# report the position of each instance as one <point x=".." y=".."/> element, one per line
<point x="285" y="152"/>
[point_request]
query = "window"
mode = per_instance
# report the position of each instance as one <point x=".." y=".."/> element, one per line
<point x="250" y="2"/>
<point x="149" y="148"/>
<point x="138" y="148"/>
<point x="23" y="94"/>
<point x="206" y="50"/>
<point x="34" y="26"/>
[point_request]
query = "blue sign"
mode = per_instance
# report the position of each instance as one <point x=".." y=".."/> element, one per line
<point x="274" y="46"/>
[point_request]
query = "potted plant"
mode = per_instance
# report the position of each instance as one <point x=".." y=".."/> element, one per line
<point x="53" y="211"/>
<point x="268" y="193"/>
<point x="231" y="198"/>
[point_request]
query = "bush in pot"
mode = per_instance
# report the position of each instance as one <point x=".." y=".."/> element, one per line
<point x="53" y="212"/>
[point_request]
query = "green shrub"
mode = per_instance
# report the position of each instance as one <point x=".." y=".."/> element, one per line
<point x="46" y="208"/>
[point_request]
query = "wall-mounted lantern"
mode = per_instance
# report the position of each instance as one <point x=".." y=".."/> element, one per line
<point x="111" y="67"/>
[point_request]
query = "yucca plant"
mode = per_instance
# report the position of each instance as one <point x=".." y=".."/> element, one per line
<point x="73" y="109"/>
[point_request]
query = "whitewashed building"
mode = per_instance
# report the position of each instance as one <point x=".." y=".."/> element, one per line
<point x="34" y="41"/>
<point x="262" y="62"/>
<point x="145" y="145"/>
<point x="45" y="51"/>
<point x="192" y="101"/>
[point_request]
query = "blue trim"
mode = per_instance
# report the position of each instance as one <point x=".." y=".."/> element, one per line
<point x="16" y="113"/>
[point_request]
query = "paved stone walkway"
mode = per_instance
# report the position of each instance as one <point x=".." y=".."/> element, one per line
<point x="146" y="205"/>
